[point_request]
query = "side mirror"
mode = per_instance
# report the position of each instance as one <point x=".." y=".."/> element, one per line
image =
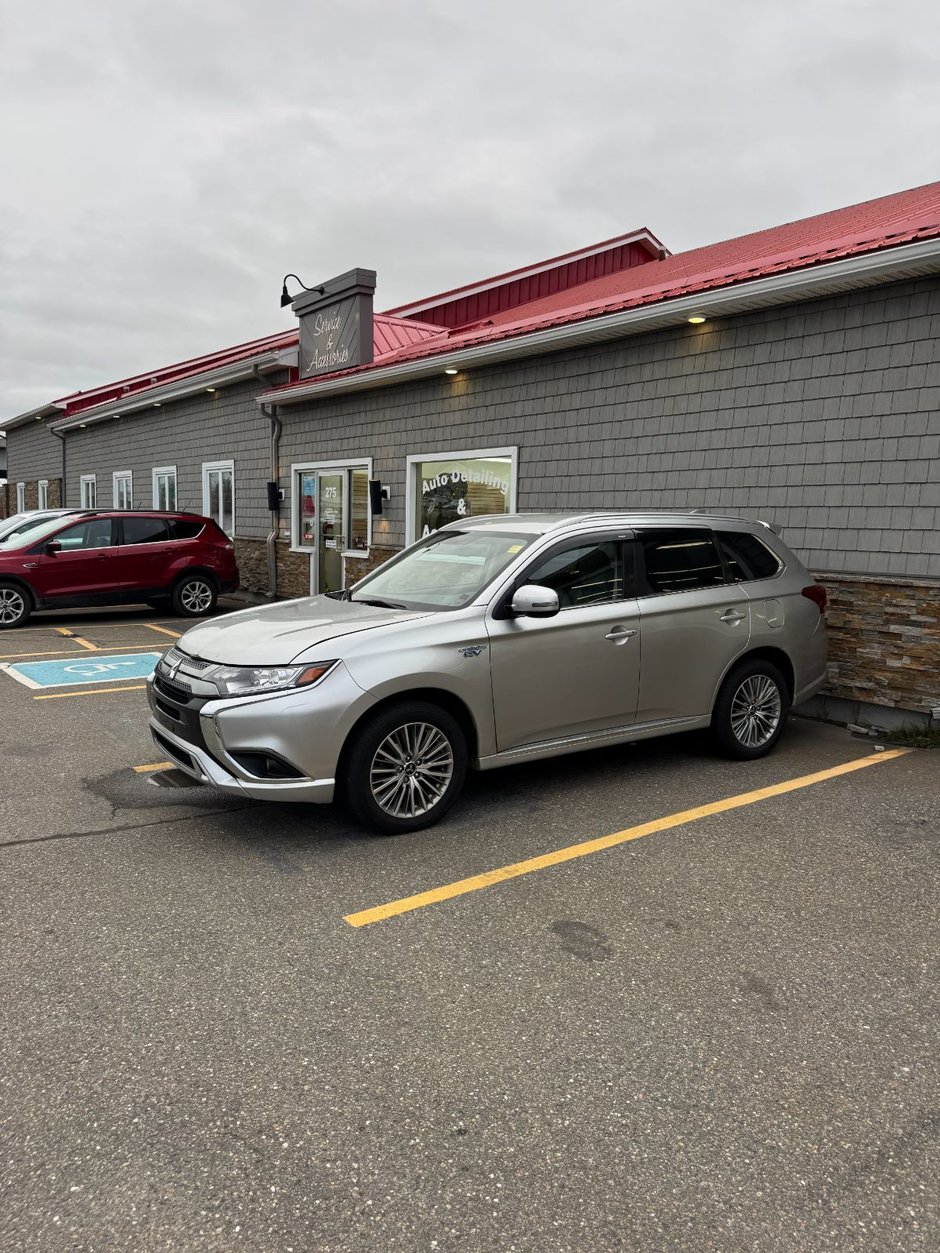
<point x="52" y="547"/>
<point x="532" y="601"/>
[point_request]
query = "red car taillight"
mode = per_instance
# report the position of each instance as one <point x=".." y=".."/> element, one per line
<point x="817" y="594"/>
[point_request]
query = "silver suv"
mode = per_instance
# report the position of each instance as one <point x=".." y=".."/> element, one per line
<point x="496" y="640"/>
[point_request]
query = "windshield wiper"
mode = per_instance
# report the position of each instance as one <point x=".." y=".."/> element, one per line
<point x="381" y="604"/>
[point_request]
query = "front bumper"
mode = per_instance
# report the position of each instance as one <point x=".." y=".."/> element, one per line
<point x="221" y="741"/>
<point x="200" y="765"/>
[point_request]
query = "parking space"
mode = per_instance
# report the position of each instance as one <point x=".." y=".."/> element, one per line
<point x="639" y="998"/>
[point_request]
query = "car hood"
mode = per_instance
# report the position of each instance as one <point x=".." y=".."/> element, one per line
<point x="275" y="635"/>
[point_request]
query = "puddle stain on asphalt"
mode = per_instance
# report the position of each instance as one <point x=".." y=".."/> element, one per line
<point x="581" y="940"/>
<point x="122" y="790"/>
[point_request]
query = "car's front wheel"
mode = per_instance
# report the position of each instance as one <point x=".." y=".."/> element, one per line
<point x="750" y="711"/>
<point x="405" y="768"/>
<point x="193" y="596"/>
<point x="15" y="605"/>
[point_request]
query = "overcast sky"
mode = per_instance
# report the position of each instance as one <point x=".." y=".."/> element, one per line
<point x="165" y="162"/>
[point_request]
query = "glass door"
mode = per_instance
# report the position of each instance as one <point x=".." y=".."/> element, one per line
<point x="332" y="539"/>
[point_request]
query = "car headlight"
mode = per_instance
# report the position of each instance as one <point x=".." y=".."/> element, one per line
<point x="250" y="680"/>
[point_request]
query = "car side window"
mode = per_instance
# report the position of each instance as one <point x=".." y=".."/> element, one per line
<point x="95" y="533"/>
<point x="746" y="556"/>
<point x="184" y="528"/>
<point x="680" y="561"/>
<point x="145" y="530"/>
<point x="589" y="573"/>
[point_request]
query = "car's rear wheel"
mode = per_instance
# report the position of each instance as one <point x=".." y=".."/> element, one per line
<point x="15" y="605"/>
<point x="193" y="596"/>
<point x="405" y="768"/>
<point x="750" y="711"/>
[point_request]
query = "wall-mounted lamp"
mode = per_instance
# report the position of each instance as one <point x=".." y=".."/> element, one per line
<point x="697" y="320"/>
<point x="157" y="405"/>
<point x="210" y="389"/>
<point x="287" y="298"/>
<point x="451" y="370"/>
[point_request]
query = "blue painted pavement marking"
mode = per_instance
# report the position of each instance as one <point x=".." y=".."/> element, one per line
<point x="74" y="671"/>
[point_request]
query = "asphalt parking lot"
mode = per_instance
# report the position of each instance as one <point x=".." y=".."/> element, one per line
<point x="234" y="1026"/>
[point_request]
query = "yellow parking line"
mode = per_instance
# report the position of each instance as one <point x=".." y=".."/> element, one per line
<point x="61" y="652"/>
<point x="96" y="691"/>
<point x="163" y="630"/>
<point x="152" y="769"/>
<point x="490" y="877"/>
<point x="92" y="648"/>
<point x="63" y="631"/>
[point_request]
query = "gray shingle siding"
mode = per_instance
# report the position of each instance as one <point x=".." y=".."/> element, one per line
<point x="226" y="425"/>
<point x="823" y="417"/>
<point x="33" y="453"/>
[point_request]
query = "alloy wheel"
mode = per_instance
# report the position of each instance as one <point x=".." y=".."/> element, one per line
<point x="411" y="769"/>
<point x="756" y="711"/>
<point x="12" y="605"/>
<point x="196" y="596"/>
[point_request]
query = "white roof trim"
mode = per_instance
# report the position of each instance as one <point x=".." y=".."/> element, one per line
<point x="890" y="265"/>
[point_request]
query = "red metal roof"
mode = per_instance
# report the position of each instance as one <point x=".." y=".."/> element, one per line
<point x="389" y="335"/>
<point x="504" y="292"/>
<point x="862" y="228"/>
<point x="867" y="227"/>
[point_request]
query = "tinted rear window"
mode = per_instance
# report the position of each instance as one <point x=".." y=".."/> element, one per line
<point x="680" y="561"/>
<point x="144" y="530"/>
<point x="746" y="556"/>
<point x="184" y="528"/>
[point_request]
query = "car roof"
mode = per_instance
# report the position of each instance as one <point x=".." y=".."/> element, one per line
<point x="543" y="523"/>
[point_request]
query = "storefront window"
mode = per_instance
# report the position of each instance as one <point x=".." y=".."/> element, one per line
<point x="460" y="485"/>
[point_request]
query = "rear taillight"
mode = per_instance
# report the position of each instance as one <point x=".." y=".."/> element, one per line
<point x="817" y="594"/>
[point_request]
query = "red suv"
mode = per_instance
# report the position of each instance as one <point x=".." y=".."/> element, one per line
<point x="113" y="558"/>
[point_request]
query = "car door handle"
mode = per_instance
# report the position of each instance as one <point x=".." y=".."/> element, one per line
<point x="30" y="565"/>
<point x="732" y="616"/>
<point x="620" y="635"/>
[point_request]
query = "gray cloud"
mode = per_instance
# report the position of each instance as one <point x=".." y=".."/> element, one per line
<point x="165" y="163"/>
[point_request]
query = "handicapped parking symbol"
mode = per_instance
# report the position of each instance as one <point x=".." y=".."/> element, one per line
<point x="75" y="673"/>
<point x="92" y="669"/>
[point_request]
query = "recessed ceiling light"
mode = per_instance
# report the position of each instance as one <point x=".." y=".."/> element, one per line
<point x="210" y="389"/>
<point x="156" y="404"/>
<point x="451" y="370"/>
<point x="697" y="320"/>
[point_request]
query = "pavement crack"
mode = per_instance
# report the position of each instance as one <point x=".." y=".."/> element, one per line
<point x="131" y="826"/>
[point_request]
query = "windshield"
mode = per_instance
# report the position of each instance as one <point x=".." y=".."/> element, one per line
<point x="447" y="570"/>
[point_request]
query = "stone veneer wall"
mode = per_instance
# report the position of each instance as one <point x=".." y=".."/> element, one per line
<point x="884" y="641"/>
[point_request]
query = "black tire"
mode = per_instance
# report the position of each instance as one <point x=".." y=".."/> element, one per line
<point x="750" y="711"/>
<point x="386" y="758"/>
<point x="16" y="605"/>
<point x="194" y="595"/>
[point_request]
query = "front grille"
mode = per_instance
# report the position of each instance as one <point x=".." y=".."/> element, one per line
<point x="196" y="663"/>
<point x="173" y="688"/>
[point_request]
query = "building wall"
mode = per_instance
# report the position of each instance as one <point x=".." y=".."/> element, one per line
<point x="33" y="453"/>
<point x="224" y="425"/>
<point x="822" y="417"/>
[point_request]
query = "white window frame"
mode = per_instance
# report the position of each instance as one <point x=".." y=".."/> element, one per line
<point x="164" y="472"/>
<point x="21" y="498"/>
<point x="219" y="466"/>
<point x="116" y="477"/>
<point x="42" y="494"/>
<point x="308" y="467"/>
<point x="84" y="482"/>
<point x="475" y="454"/>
